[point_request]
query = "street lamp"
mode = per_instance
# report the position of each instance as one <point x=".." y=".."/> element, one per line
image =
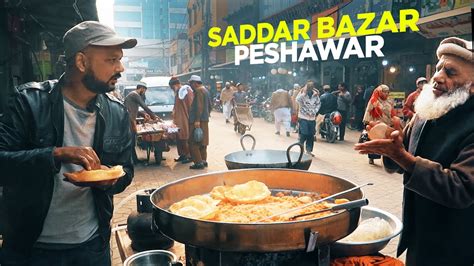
<point x="384" y="62"/>
<point x="392" y="69"/>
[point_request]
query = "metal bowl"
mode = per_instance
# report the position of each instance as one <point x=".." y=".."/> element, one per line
<point x="345" y="249"/>
<point x="152" y="257"/>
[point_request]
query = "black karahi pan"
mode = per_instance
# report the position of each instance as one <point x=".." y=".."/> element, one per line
<point x="267" y="158"/>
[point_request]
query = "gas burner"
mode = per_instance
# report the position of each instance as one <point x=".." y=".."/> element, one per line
<point x="198" y="256"/>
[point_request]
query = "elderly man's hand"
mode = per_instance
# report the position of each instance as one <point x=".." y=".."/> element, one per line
<point x="392" y="147"/>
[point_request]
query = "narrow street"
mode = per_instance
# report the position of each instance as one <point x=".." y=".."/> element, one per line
<point x="337" y="159"/>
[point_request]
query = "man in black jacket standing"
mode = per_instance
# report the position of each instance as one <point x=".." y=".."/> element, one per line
<point x="55" y="127"/>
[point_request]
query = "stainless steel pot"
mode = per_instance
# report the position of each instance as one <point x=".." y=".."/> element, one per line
<point x="267" y="158"/>
<point x="153" y="257"/>
<point x="256" y="237"/>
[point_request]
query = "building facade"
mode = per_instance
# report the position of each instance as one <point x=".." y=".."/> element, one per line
<point x="156" y="24"/>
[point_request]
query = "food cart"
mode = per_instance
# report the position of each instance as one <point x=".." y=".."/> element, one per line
<point x="155" y="136"/>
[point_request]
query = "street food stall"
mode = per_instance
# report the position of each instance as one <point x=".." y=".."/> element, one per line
<point x="155" y="137"/>
<point x="268" y="241"/>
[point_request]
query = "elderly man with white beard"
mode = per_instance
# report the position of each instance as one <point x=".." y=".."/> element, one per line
<point x="435" y="152"/>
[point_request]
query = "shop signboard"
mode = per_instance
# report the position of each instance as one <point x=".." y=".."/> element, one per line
<point x="430" y="7"/>
<point x="398" y="5"/>
<point x="450" y="26"/>
<point x="365" y="6"/>
<point x="398" y="98"/>
<point x="462" y="3"/>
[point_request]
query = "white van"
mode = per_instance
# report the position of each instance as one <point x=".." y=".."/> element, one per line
<point x="159" y="96"/>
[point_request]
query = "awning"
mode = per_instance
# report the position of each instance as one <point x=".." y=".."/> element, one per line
<point x="188" y="73"/>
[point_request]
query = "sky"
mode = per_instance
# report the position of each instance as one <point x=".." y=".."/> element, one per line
<point x="105" y="10"/>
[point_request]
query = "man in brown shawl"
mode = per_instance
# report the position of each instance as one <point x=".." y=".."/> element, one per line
<point x="182" y="102"/>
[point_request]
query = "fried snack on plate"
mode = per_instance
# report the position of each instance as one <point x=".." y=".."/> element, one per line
<point x="102" y="174"/>
<point x="197" y="207"/>
<point x="249" y="192"/>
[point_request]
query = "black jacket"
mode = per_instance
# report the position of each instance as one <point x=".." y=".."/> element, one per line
<point x="438" y="207"/>
<point x="29" y="131"/>
<point x="328" y="103"/>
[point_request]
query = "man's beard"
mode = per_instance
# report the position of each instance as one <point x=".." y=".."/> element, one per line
<point x="96" y="86"/>
<point x="428" y="106"/>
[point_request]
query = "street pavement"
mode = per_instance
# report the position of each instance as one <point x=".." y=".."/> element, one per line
<point x="337" y="159"/>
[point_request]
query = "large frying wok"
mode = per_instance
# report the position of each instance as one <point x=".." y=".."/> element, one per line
<point x="267" y="158"/>
<point x="256" y="237"/>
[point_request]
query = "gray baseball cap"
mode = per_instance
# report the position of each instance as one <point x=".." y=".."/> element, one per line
<point x="93" y="33"/>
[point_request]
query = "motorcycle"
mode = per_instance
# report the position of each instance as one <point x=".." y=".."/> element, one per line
<point x="330" y="126"/>
<point x="216" y="104"/>
<point x="267" y="113"/>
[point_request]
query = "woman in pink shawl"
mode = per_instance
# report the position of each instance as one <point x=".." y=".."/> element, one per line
<point x="379" y="109"/>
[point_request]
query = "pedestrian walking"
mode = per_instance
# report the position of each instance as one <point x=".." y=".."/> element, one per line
<point x="343" y="105"/>
<point x="309" y="104"/>
<point x="226" y="101"/>
<point x="281" y="106"/>
<point x="359" y="108"/>
<point x="379" y="109"/>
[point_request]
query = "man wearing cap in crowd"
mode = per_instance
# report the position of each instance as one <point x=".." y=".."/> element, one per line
<point x="62" y="126"/>
<point x="199" y="118"/>
<point x="435" y="152"/>
<point x="182" y="103"/>
<point x="240" y="96"/>
<point x="133" y="101"/>
<point x="226" y="101"/>
<point x="409" y="106"/>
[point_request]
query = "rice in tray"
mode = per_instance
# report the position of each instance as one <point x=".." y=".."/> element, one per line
<point x="369" y="230"/>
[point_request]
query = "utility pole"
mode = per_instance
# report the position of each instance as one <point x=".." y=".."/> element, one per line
<point x="169" y="39"/>
<point x="204" y="40"/>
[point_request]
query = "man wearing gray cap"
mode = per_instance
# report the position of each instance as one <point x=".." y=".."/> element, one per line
<point x="435" y="153"/>
<point x="62" y="126"/>
<point x="133" y="101"/>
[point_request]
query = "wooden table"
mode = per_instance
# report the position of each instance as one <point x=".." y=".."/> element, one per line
<point x="124" y="244"/>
